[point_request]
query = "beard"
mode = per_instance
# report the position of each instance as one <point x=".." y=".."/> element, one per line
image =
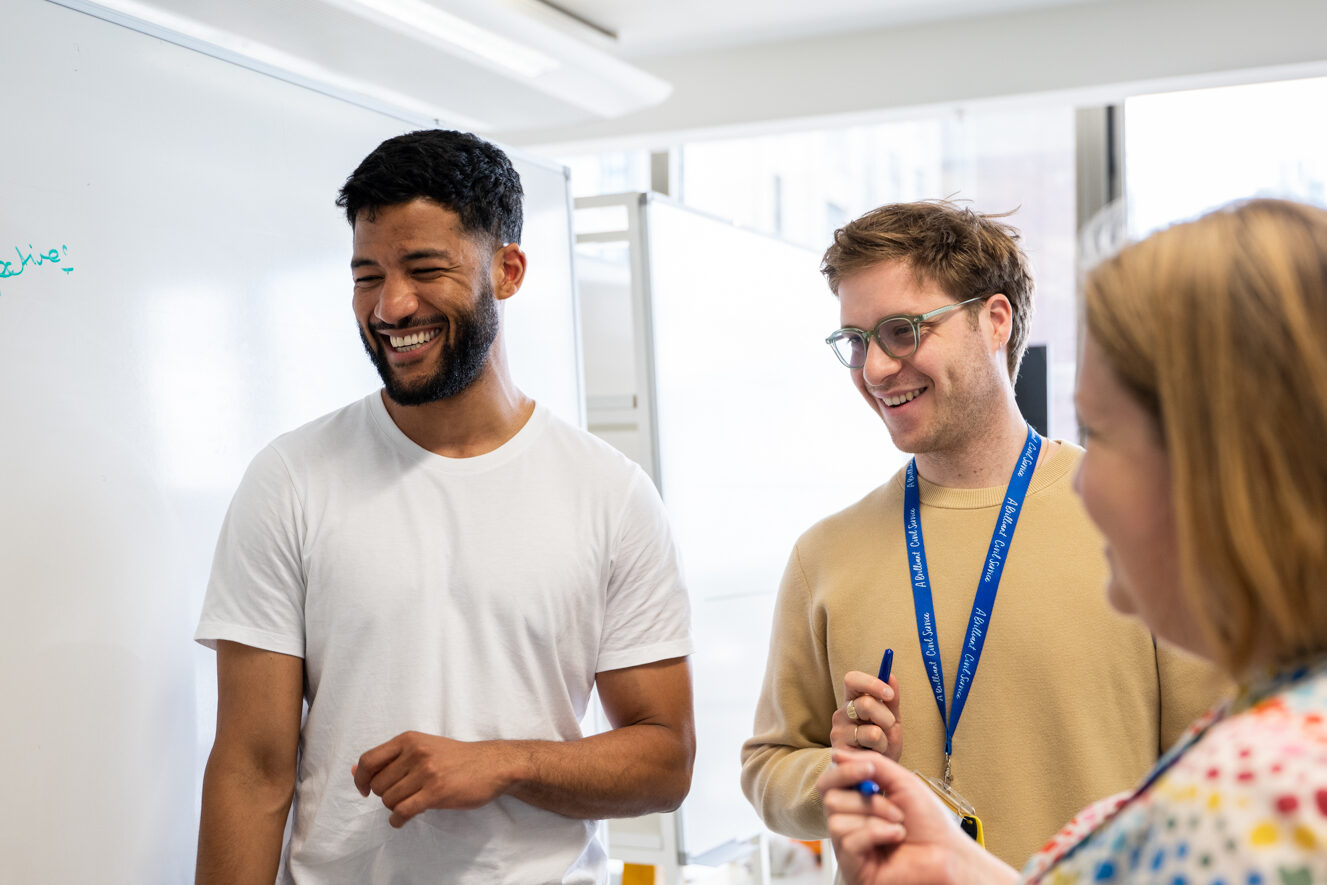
<point x="459" y="364"/>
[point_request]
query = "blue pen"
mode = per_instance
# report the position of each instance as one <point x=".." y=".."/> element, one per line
<point x="870" y="788"/>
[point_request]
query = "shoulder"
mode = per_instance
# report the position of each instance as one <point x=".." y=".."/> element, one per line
<point x="577" y="441"/>
<point x="1252" y="791"/>
<point x="1055" y="471"/>
<point x="1054" y="510"/>
<point x="343" y="428"/>
<point x="1261" y="775"/>
<point x="279" y="473"/>
<point x="1288" y="727"/>
<point x="586" y="476"/>
<point x="587" y="456"/>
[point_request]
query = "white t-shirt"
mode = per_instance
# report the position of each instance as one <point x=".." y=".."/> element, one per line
<point x="474" y="598"/>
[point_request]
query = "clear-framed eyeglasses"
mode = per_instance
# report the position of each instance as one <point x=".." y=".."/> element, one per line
<point x="898" y="335"/>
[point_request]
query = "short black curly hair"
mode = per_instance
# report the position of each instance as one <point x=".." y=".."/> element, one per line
<point x="457" y="170"/>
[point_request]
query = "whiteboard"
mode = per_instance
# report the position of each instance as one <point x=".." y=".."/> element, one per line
<point x="176" y="293"/>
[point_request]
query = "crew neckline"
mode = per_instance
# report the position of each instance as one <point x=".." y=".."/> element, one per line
<point x="1052" y="467"/>
<point x="512" y="448"/>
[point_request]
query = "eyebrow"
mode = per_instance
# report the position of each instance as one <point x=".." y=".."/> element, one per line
<point x="417" y="255"/>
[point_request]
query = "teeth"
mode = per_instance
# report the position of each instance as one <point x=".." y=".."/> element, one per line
<point x="410" y="342"/>
<point x="902" y="398"/>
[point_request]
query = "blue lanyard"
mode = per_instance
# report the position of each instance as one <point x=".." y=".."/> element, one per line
<point x="982" y="605"/>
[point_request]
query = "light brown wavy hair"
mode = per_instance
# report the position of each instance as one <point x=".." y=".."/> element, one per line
<point x="1219" y="328"/>
<point x="965" y="253"/>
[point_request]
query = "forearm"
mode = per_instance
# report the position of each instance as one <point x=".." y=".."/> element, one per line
<point x="243" y="819"/>
<point x="780" y="782"/>
<point x="972" y="863"/>
<point x="625" y="772"/>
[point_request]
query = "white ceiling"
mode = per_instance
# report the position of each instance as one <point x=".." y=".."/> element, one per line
<point x="455" y="61"/>
<point x="650" y="72"/>
<point x="654" y="27"/>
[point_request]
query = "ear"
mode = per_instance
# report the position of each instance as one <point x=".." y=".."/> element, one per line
<point x="508" y="271"/>
<point x="1001" y="316"/>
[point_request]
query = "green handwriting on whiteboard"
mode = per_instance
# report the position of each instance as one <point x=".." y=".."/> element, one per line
<point x="27" y="262"/>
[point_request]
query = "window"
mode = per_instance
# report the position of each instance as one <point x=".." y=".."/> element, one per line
<point x="1187" y="152"/>
<point x="801" y="186"/>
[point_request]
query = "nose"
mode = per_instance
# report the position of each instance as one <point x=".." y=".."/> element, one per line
<point x="396" y="301"/>
<point x="879" y="365"/>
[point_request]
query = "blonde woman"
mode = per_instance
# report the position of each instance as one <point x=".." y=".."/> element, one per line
<point x="1202" y="390"/>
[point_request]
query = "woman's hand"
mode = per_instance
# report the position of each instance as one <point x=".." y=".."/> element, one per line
<point x="902" y="835"/>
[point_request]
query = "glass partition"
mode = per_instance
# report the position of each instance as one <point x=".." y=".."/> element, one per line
<point x="705" y="361"/>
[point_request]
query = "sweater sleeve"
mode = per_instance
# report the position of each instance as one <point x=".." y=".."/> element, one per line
<point x="790" y="746"/>
<point x="1188" y="687"/>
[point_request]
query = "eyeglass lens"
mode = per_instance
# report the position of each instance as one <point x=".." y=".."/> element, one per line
<point x="895" y="336"/>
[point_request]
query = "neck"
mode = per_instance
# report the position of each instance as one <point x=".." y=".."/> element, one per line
<point x="984" y="460"/>
<point x="477" y="420"/>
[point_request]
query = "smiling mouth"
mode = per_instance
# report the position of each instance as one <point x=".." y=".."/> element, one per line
<point x="900" y="399"/>
<point x="413" y="341"/>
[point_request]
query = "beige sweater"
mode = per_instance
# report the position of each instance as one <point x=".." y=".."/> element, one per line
<point x="1071" y="701"/>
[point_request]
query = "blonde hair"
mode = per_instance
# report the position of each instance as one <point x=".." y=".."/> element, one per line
<point x="965" y="253"/>
<point x="1219" y="328"/>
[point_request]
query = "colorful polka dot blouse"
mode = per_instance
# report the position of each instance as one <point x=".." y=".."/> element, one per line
<point x="1241" y="799"/>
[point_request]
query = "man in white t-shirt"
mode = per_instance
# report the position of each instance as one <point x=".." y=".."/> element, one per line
<point x="443" y="571"/>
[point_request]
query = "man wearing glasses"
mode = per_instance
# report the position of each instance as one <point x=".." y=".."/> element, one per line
<point x="1020" y="712"/>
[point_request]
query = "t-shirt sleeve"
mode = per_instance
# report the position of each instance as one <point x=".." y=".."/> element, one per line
<point x="647" y="615"/>
<point x="255" y="595"/>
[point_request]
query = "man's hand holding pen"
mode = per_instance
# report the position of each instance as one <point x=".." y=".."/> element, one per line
<point x="870" y="718"/>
